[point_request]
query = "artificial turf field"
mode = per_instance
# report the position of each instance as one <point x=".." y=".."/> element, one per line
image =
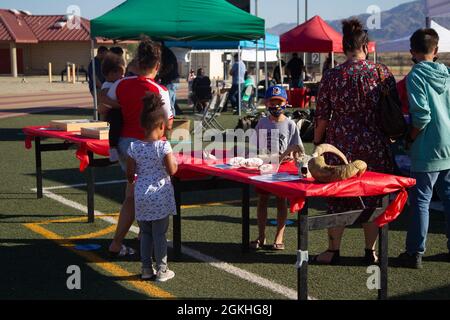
<point x="37" y="238"/>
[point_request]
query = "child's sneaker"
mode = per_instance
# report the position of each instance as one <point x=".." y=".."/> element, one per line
<point x="148" y="273"/>
<point x="162" y="276"/>
<point x="113" y="155"/>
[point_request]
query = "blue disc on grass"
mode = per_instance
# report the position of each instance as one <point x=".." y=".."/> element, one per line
<point x="87" y="247"/>
<point x="288" y="222"/>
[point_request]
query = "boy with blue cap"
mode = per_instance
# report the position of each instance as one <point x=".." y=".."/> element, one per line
<point x="284" y="130"/>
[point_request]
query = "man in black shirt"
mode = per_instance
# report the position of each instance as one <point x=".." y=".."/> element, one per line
<point x="277" y="72"/>
<point x="169" y="76"/>
<point x="99" y="78"/>
<point x="295" y="68"/>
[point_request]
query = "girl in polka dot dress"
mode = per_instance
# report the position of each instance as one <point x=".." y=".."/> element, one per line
<point x="153" y="162"/>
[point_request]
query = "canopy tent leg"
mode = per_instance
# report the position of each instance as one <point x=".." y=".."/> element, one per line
<point x="94" y="81"/>
<point x="257" y="58"/>
<point x="281" y="67"/>
<point x="257" y="71"/>
<point x="332" y="60"/>
<point x="190" y="64"/>
<point x="239" y="79"/>
<point x="265" y="64"/>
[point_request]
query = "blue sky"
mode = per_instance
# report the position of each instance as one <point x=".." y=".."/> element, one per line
<point x="273" y="11"/>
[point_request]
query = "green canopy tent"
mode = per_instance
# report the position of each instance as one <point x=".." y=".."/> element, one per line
<point x="184" y="20"/>
<point x="178" y="20"/>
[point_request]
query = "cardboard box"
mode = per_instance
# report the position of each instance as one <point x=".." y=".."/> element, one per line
<point x="96" y="133"/>
<point x="181" y="128"/>
<point x="77" y="124"/>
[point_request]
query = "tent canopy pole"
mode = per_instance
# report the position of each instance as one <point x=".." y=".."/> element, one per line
<point x="281" y="67"/>
<point x="239" y="78"/>
<point x="94" y="80"/>
<point x="265" y="65"/>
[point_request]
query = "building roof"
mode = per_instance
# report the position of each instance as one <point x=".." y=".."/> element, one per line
<point x="16" y="27"/>
<point x="22" y="27"/>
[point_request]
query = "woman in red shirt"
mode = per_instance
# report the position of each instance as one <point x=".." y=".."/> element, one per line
<point x="128" y="92"/>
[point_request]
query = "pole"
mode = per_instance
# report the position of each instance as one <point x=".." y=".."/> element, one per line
<point x="306" y="10"/>
<point x="239" y="79"/>
<point x="281" y="67"/>
<point x="94" y="80"/>
<point x="68" y="73"/>
<point x="257" y="58"/>
<point x="332" y="59"/>
<point x="306" y="19"/>
<point x="13" y="53"/>
<point x="73" y="74"/>
<point x="265" y="64"/>
<point x="298" y="12"/>
<point x="428" y="22"/>
<point x="50" y="72"/>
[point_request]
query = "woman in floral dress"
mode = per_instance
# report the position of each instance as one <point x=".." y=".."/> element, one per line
<point x="346" y="117"/>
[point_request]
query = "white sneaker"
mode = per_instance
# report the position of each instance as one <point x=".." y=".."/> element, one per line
<point x="148" y="273"/>
<point x="113" y="155"/>
<point x="162" y="276"/>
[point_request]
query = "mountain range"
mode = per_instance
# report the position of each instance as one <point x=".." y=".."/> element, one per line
<point x="399" y="22"/>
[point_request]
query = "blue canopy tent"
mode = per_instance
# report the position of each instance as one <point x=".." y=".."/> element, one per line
<point x="271" y="42"/>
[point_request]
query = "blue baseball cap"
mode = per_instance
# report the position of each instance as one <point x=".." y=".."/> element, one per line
<point x="277" y="92"/>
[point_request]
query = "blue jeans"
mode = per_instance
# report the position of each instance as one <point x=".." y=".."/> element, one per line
<point x="172" y="87"/>
<point x="122" y="147"/>
<point x="233" y="96"/>
<point x="154" y="241"/>
<point x="420" y="198"/>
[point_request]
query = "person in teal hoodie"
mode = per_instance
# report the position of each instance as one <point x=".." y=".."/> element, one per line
<point x="428" y="86"/>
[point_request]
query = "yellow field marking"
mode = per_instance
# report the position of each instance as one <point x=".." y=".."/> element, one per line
<point x="213" y="204"/>
<point x="101" y="263"/>
<point x="96" y="234"/>
<point x="75" y="219"/>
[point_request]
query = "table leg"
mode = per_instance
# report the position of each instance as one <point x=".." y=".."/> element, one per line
<point x="383" y="257"/>
<point x="177" y="221"/>
<point x="90" y="189"/>
<point x="302" y="244"/>
<point x="38" y="154"/>
<point x="245" y="218"/>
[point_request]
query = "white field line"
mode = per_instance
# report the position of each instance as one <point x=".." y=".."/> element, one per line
<point x="229" y="268"/>
<point x="82" y="185"/>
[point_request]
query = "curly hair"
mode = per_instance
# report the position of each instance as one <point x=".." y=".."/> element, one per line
<point x="152" y="112"/>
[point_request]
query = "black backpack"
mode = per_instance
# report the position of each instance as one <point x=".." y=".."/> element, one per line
<point x="390" y="115"/>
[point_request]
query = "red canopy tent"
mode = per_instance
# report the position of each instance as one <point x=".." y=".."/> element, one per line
<point x="315" y="35"/>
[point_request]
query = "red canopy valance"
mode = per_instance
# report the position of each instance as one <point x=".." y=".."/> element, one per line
<point x="315" y="35"/>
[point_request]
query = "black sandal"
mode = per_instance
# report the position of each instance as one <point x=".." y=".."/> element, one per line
<point x="370" y="257"/>
<point x="336" y="259"/>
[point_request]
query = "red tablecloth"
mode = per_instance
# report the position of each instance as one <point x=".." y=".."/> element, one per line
<point x="100" y="147"/>
<point x="193" y="167"/>
<point x="297" y="97"/>
<point x="370" y="184"/>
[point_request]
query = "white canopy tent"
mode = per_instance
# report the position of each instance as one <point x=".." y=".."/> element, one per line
<point x="403" y="45"/>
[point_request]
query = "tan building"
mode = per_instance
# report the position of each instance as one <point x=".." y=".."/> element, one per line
<point x="29" y="42"/>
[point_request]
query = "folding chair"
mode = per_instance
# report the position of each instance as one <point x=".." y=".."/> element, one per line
<point x="212" y="121"/>
<point x="206" y="115"/>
